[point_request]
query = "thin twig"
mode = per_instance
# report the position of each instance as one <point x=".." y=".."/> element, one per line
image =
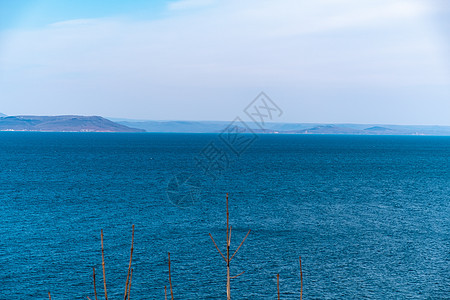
<point x="95" y="289"/>
<point x="129" y="265"/>
<point x="240" y="244"/>
<point x="49" y="296"/>
<point x="165" y="292"/>
<point x="301" y="278"/>
<point x="228" y="257"/>
<point x="103" y="266"/>
<point x="229" y="238"/>
<point x="217" y="247"/>
<point x="129" y="284"/>
<point x="278" y="285"/>
<point x="238" y="275"/>
<point x="228" y="214"/>
<point x="170" y="279"/>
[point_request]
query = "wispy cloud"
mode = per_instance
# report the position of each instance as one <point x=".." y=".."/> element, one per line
<point x="189" y="4"/>
<point x="74" y="23"/>
<point x="241" y="46"/>
<point x="290" y="37"/>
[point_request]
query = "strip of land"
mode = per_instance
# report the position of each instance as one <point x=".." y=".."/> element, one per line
<point x="63" y="124"/>
<point x="73" y="123"/>
<point x="287" y="128"/>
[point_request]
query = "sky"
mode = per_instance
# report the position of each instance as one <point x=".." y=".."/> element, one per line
<point x="322" y="61"/>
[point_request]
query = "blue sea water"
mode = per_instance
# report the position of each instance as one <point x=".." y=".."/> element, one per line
<point x="370" y="216"/>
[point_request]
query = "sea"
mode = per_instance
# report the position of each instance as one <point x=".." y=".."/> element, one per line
<point x="368" y="215"/>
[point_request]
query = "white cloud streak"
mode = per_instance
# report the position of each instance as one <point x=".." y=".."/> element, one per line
<point x="285" y="44"/>
<point x="189" y="4"/>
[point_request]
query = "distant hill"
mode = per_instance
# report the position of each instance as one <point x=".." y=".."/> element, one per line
<point x="289" y="128"/>
<point x="378" y="128"/>
<point x="327" y="129"/>
<point x="72" y="123"/>
<point x="381" y="130"/>
<point x="62" y="124"/>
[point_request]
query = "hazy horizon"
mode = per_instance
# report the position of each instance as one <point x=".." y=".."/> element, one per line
<point x="115" y="119"/>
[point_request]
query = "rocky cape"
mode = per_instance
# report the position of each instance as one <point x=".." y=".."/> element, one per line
<point x="63" y="124"/>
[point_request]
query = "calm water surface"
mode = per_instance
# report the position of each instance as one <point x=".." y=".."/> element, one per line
<point x="369" y="215"/>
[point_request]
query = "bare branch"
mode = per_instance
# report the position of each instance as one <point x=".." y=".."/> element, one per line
<point x="129" y="265"/>
<point x="165" y="292"/>
<point x="170" y="279"/>
<point x="103" y="266"/>
<point x="278" y="285"/>
<point x="217" y="247"/>
<point x="129" y="284"/>
<point x="49" y="296"/>
<point x="227" y="219"/>
<point x="238" y="275"/>
<point x="227" y="258"/>
<point x="240" y="244"/>
<point x="95" y="289"/>
<point x="301" y="278"/>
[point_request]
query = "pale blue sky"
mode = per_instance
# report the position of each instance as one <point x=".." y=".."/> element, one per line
<point x="333" y="61"/>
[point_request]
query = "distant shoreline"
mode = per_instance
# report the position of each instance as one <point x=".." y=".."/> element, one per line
<point x="245" y="133"/>
<point x="74" y="123"/>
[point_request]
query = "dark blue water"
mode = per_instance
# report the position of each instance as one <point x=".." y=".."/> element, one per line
<point x="370" y="216"/>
